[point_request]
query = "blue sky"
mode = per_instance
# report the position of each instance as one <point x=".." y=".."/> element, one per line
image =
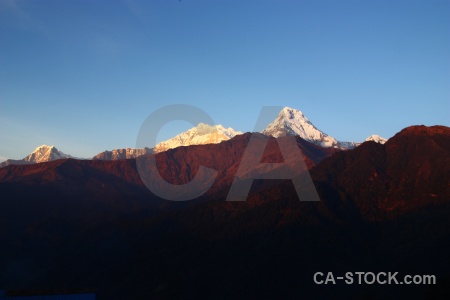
<point x="84" y="75"/>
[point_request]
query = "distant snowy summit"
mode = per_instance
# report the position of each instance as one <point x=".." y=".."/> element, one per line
<point x="293" y="122"/>
<point x="200" y="135"/>
<point x="376" y="138"/>
<point x="46" y="153"/>
<point x="42" y="153"/>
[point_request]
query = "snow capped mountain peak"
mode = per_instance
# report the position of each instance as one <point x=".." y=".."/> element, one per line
<point x="45" y="153"/>
<point x="198" y="135"/>
<point x="292" y="112"/>
<point x="376" y="138"/>
<point x="205" y="129"/>
<point x="41" y="154"/>
<point x="293" y="122"/>
<point x="44" y="148"/>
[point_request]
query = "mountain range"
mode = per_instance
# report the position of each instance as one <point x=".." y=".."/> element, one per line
<point x="289" y="122"/>
<point x="93" y="224"/>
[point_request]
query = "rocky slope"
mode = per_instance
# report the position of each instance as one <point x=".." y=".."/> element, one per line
<point x="118" y="154"/>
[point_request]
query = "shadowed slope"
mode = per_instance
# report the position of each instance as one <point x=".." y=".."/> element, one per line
<point x="269" y="246"/>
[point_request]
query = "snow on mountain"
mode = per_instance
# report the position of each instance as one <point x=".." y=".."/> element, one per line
<point x="199" y="135"/>
<point x="293" y="122"/>
<point x="45" y="153"/>
<point x="42" y="153"/>
<point x="117" y="154"/>
<point x="376" y="138"/>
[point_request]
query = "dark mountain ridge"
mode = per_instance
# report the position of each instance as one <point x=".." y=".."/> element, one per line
<point x="97" y="178"/>
<point x="410" y="171"/>
<point x="92" y="224"/>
